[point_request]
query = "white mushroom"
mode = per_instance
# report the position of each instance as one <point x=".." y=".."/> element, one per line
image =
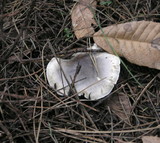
<point x="96" y="78"/>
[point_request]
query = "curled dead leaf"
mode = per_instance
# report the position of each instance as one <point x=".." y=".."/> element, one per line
<point x="83" y="18"/>
<point x="150" y="139"/>
<point x="138" y="42"/>
<point x="121" y="106"/>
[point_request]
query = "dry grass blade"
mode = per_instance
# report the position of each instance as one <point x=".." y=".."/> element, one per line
<point x="105" y="132"/>
<point x="138" y="42"/>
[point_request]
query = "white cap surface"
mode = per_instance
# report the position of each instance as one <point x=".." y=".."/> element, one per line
<point x="95" y="80"/>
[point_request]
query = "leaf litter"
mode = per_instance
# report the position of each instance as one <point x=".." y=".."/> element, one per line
<point x="150" y="139"/>
<point x="31" y="111"/>
<point x="83" y="18"/>
<point x="120" y="105"/>
<point x="137" y="41"/>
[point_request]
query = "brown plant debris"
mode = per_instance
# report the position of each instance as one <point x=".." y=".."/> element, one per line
<point x="150" y="139"/>
<point x="137" y="41"/>
<point x="121" y="106"/>
<point x="83" y="18"/>
<point x="32" y="112"/>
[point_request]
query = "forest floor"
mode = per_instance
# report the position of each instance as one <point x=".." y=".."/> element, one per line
<point x="31" y="111"/>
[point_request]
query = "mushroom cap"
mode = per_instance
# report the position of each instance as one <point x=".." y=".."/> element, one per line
<point x="98" y="74"/>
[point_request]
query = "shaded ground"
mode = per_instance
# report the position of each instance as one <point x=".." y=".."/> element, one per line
<point x="30" y="111"/>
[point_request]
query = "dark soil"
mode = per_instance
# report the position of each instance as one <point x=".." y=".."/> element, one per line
<point x="30" y="111"/>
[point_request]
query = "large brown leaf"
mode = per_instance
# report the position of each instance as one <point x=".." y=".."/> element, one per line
<point x="150" y="139"/>
<point x="83" y="17"/>
<point x="138" y="42"/>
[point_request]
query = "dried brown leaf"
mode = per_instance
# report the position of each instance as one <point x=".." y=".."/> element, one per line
<point x="83" y="18"/>
<point x="138" y="42"/>
<point x="150" y="139"/>
<point x="121" y="106"/>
